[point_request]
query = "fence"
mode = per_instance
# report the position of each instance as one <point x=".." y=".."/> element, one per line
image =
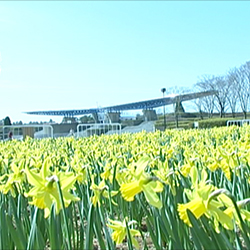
<point x="85" y="130"/>
<point x="238" y="122"/>
<point x="20" y="132"/>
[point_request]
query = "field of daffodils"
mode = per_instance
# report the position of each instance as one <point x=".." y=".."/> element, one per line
<point x="178" y="189"/>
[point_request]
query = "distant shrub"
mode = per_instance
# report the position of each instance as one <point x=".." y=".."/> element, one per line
<point x="211" y="123"/>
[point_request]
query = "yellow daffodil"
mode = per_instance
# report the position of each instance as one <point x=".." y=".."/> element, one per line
<point x="196" y="206"/>
<point x="101" y="191"/>
<point x="201" y="203"/>
<point x="189" y="163"/>
<point x="13" y="181"/>
<point x="45" y="192"/>
<point x="120" y="231"/>
<point x="231" y="211"/>
<point x="139" y="181"/>
<point x="228" y="162"/>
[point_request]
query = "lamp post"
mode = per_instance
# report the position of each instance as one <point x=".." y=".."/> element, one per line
<point x="163" y="90"/>
<point x="177" y="107"/>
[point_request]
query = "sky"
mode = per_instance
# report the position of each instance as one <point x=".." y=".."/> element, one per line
<point x="57" y="55"/>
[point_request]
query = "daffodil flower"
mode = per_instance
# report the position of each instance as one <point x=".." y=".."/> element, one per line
<point x="139" y="181"/>
<point x="165" y="174"/>
<point x="45" y="192"/>
<point x="120" y="231"/>
<point x="13" y="181"/>
<point x="100" y="191"/>
<point x="231" y="211"/>
<point x="189" y="163"/>
<point x="108" y="169"/>
<point x="201" y="203"/>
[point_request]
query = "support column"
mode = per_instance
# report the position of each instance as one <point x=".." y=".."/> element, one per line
<point x="179" y="107"/>
<point x="114" y="117"/>
<point x="95" y="116"/>
<point x="150" y="115"/>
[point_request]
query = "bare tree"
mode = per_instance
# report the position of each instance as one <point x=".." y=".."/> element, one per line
<point x="221" y="87"/>
<point x="199" y="104"/>
<point x="232" y="91"/>
<point x="233" y="81"/>
<point x="207" y="102"/>
<point x="243" y="89"/>
<point x="177" y="90"/>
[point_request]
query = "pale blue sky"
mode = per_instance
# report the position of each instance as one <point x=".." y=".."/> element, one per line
<point x="80" y="54"/>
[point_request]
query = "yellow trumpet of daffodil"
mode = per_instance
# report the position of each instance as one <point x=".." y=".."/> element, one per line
<point x="45" y="192"/>
<point x="120" y="231"/>
<point x="139" y="181"/>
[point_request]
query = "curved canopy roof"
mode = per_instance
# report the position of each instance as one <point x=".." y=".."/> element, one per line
<point x="148" y="104"/>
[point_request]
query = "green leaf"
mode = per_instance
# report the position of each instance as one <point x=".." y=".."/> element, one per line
<point x="31" y="239"/>
<point x="194" y="175"/>
<point x="5" y="241"/>
<point x="152" y="234"/>
<point x="200" y="237"/>
<point x="90" y="229"/>
<point x="55" y="232"/>
<point x="129" y="240"/>
<point x="16" y="236"/>
<point x="106" y="232"/>
<point x="98" y="228"/>
<point x="19" y="231"/>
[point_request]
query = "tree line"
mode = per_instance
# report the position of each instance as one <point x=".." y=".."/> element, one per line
<point x="232" y="92"/>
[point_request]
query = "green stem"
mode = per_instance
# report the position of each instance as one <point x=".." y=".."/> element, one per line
<point x="32" y="231"/>
<point x="69" y="246"/>
<point x="242" y="224"/>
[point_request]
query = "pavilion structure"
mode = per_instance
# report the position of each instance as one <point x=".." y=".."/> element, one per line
<point x="112" y="113"/>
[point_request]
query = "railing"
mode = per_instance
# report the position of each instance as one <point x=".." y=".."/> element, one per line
<point x="238" y="122"/>
<point x="21" y="131"/>
<point x="85" y="130"/>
